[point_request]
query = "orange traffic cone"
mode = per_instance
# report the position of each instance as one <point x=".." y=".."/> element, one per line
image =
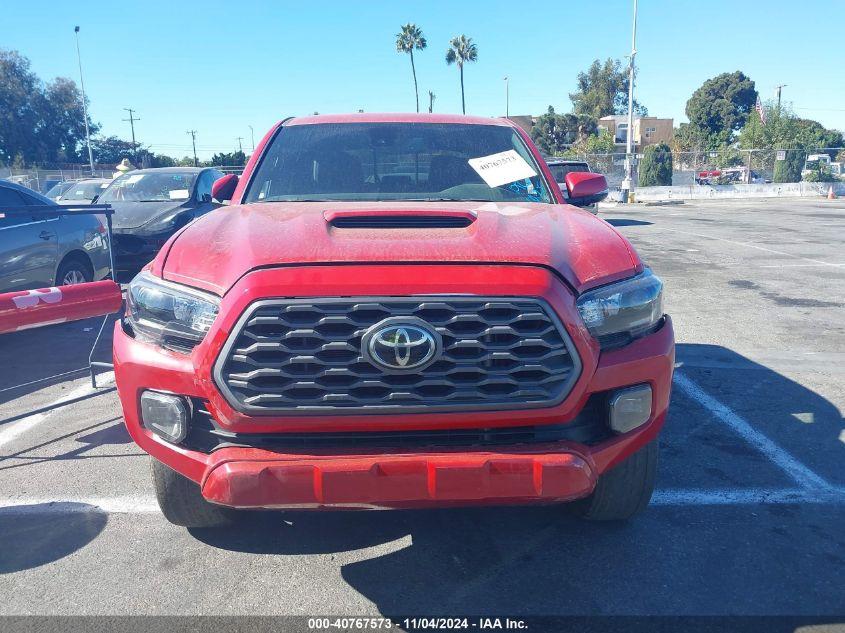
<point x="830" y="194"/>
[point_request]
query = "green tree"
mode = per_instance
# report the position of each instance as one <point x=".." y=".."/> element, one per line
<point x="554" y="133"/>
<point x="408" y="39"/>
<point x="789" y="169"/>
<point x="461" y="50"/>
<point x="38" y="122"/>
<point x="111" y="150"/>
<point x="64" y="130"/>
<point x="720" y="107"/>
<point x="603" y="90"/>
<point x="20" y="114"/>
<point x="655" y="168"/>
<point x="235" y="158"/>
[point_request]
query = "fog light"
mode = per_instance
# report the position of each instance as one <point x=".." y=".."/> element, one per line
<point x="630" y="408"/>
<point x="165" y="415"/>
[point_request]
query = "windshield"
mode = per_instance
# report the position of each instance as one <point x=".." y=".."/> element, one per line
<point x="56" y="190"/>
<point x="559" y="171"/>
<point x="398" y="161"/>
<point x="149" y="187"/>
<point x="84" y="191"/>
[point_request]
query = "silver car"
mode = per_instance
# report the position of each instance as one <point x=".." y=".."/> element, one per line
<point x="39" y="252"/>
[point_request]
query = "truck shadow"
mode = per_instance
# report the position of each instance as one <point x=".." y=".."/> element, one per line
<point x="41" y="533"/>
<point x="683" y="558"/>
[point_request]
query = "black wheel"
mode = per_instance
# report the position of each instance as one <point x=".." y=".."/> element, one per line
<point x="74" y="270"/>
<point x="623" y="491"/>
<point x="181" y="501"/>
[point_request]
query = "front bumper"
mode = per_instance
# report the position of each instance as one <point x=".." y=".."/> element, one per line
<point x="247" y="479"/>
<point x="132" y="252"/>
<point x="400" y="475"/>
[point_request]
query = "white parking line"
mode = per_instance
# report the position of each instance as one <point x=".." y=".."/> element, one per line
<point x="31" y="421"/>
<point x="747" y="496"/>
<point x="802" y="475"/>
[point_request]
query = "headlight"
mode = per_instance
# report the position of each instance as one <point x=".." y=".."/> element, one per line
<point x="619" y="313"/>
<point x="170" y="315"/>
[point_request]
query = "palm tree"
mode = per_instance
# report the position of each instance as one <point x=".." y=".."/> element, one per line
<point x="408" y="39"/>
<point x="461" y="50"/>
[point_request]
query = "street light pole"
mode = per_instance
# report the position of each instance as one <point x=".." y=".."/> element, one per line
<point x="252" y="137"/>
<point x="84" y="104"/>
<point x="627" y="183"/>
<point x="507" y="97"/>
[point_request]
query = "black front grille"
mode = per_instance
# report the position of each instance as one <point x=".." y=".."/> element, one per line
<point x="589" y="427"/>
<point x="305" y="356"/>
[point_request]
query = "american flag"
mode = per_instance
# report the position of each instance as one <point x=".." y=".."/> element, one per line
<point x="760" y="110"/>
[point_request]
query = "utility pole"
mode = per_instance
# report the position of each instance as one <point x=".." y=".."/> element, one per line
<point x="627" y="183"/>
<point x="132" y="120"/>
<point x="84" y="104"/>
<point x="252" y="137"/>
<point x="779" y="88"/>
<point x="507" y="97"/>
<point x="240" y="144"/>
<point x="193" y="134"/>
<point x="431" y="98"/>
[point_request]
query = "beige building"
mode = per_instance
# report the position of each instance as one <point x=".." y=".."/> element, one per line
<point x="648" y="130"/>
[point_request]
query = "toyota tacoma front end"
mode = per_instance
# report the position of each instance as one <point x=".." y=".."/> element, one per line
<point x="396" y="311"/>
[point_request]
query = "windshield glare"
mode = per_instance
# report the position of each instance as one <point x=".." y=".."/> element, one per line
<point x="390" y="161"/>
<point x="150" y="187"/>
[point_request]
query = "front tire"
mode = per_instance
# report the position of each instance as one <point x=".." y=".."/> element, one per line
<point x="74" y="270"/>
<point x="623" y="491"/>
<point x="181" y="501"/>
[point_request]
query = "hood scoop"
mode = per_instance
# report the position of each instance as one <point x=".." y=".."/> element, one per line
<point x="399" y="219"/>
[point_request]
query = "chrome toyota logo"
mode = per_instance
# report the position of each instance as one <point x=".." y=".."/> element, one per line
<point x="401" y="344"/>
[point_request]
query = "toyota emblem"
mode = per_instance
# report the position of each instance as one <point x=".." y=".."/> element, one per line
<point x="401" y="344"/>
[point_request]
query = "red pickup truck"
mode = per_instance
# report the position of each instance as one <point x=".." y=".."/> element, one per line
<point x="396" y="310"/>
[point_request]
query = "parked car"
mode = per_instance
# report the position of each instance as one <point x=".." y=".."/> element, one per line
<point x="151" y="205"/>
<point x="82" y="191"/>
<point x="560" y="168"/>
<point x="38" y="252"/>
<point x="396" y="310"/>
<point x="730" y="176"/>
<point x="56" y="190"/>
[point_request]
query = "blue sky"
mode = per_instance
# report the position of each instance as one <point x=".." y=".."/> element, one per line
<point x="219" y="67"/>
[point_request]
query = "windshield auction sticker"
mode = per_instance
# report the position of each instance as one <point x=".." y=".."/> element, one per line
<point x="502" y="168"/>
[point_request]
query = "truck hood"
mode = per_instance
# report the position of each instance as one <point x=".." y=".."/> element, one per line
<point x="213" y="252"/>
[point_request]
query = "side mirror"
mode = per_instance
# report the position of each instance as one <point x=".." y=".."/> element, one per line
<point x="224" y="188"/>
<point x="585" y="188"/>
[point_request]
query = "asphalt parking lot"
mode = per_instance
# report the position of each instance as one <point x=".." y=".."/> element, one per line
<point x="747" y="518"/>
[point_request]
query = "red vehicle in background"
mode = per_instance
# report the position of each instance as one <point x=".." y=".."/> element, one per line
<point x="396" y="310"/>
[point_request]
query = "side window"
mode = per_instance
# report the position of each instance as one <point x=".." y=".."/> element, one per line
<point x="11" y="198"/>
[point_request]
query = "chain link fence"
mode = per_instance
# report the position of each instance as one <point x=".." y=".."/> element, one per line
<point x="731" y="166"/>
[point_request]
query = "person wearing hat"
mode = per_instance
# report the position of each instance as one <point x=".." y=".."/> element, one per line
<point x="122" y="167"/>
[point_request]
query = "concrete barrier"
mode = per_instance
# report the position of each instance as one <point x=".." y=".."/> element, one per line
<point x="719" y="192"/>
